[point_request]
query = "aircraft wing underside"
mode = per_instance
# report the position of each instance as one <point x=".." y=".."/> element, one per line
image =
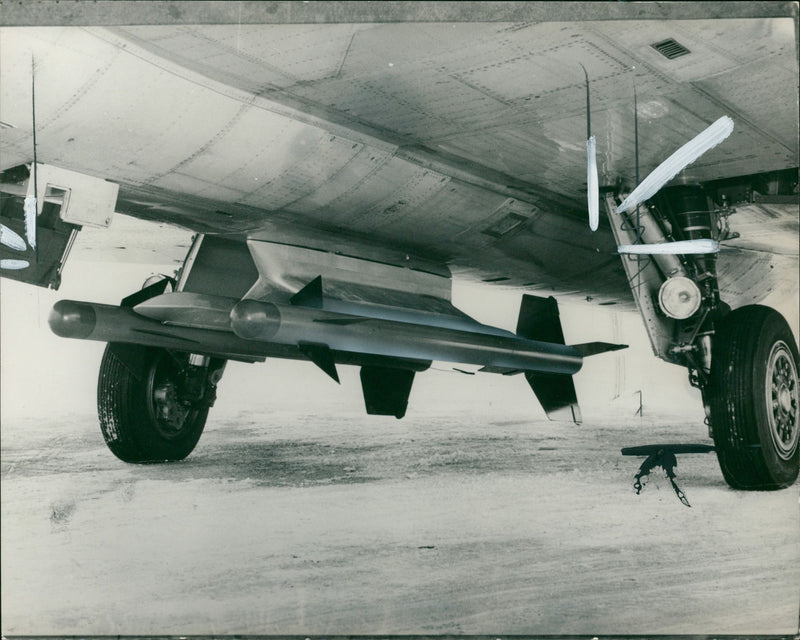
<point x="460" y="142"/>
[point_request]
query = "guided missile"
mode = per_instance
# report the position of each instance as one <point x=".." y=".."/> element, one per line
<point x="285" y="324"/>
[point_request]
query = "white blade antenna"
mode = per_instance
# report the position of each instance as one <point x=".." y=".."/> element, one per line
<point x="31" y="205"/>
<point x="592" y="188"/>
<point x="683" y="247"/>
<point x="683" y="157"/>
<point x="11" y="239"/>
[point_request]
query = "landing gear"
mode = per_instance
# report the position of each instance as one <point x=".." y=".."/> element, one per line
<point x="153" y="403"/>
<point x="753" y="397"/>
<point x="745" y="362"/>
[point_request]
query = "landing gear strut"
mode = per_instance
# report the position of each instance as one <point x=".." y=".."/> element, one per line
<point x="745" y="362"/>
<point x="153" y="403"/>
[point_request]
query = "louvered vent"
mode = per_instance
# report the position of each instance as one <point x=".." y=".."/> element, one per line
<point x="670" y="48"/>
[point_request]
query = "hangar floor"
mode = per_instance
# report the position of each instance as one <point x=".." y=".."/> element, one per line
<point x="461" y="524"/>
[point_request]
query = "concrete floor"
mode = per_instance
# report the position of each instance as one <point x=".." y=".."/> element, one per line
<point x="466" y="524"/>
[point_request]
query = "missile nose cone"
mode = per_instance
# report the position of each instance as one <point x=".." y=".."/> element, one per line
<point x="70" y="319"/>
<point x="254" y="320"/>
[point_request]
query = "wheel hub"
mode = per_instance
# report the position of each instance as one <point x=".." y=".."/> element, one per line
<point x="782" y="390"/>
<point x="168" y="408"/>
<point x="170" y="411"/>
<point x="785" y="399"/>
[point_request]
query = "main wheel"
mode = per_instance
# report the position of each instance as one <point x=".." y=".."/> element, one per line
<point x="145" y="414"/>
<point x="754" y="399"/>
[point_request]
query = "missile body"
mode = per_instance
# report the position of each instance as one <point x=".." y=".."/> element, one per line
<point x="253" y="329"/>
<point x="284" y="324"/>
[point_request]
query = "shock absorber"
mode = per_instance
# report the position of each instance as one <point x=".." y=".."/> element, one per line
<point x="694" y="299"/>
<point x="686" y="209"/>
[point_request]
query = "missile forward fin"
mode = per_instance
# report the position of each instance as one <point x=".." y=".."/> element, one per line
<point x="310" y="295"/>
<point x="150" y="291"/>
<point x="320" y="355"/>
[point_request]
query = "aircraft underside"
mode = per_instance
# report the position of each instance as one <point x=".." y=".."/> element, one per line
<point x="392" y="315"/>
<point x="346" y="257"/>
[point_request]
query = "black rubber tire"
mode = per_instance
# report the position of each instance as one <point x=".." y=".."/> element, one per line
<point x="753" y="386"/>
<point x="128" y="422"/>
